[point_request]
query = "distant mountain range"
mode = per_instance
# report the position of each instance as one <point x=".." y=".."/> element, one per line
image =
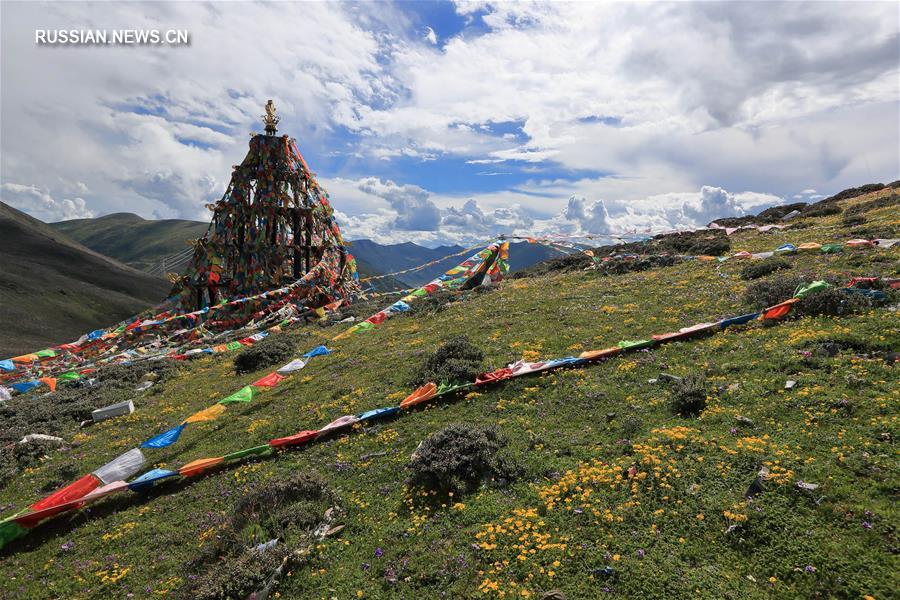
<point x="61" y="280"/>
<point x="143" y="244"/>
<point x="53" y="289"/>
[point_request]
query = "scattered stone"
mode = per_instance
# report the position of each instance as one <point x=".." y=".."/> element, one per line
<point x="265" y="545"/>
<point x="669" y="377"/>
<point x="756" y="488"/>
<point x="807" y="487"/>
<point x="829" y="349"/>
<point x="40" y="437"/>
<point x="610" y="417"/>
<point x="554" y="595"/>
<point x="143" y="386"/>
<point x="652" y="381"/>
<point x="791" y="215"/>
<point x="113" y="410"/>
<point x="789" y="384"/>
<point x="742" y="420"/>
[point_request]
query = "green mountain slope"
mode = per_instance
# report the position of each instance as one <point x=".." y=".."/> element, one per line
<point x="614" y="495"/>
<point x="52" y="289"/>
<point x="132" y="240"/>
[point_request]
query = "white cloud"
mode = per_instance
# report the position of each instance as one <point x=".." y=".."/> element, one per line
<point x="39" y="203"/>
<point x="674" y="103"/>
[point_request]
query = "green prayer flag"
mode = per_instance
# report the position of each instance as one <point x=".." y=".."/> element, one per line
<point x="257" y="451"/>
<point x="448" y="388"/>
<point x="815" y="286"/>
<point x="45" y="353"/>
<point x="363" y="326"/>
<point x="634" y="344"/>
<point x="245" y="394"/>
<point x="10" y="530"/>
<point x="70" y="376"/>
<point x="832" y="248"/>
<point x="234" y="345"/>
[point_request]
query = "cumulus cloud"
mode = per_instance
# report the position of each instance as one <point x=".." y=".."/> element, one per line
<point x="39" y="203"/>
<point x="430" y="35"/>
<point x="410" y="202"/>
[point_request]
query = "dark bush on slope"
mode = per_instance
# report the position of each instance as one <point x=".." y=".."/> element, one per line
<point x="267" y="352"/>
<point x="231" y="566"/>
<point x="821" y="209"/>
<point x="456" y="361"/>
<point x="458" y="459"/>
<point x="687" y="397"/>
<point x="830" y="302"/>
<point x="761" y="268"/>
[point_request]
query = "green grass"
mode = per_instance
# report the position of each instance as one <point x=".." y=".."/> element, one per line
<point x="611" y="477"/>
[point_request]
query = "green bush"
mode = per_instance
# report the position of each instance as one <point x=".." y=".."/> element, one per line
<point x="268" y="352"/>
<point x="459" y="459"/>
<point x="761" y="268"/>
<point x="687" y="397"/>
<point x="456" y="361"/>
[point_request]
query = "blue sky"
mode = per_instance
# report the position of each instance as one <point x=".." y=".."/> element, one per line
<point x="443" y="122"/>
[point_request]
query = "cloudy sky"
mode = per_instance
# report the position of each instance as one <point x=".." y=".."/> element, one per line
<point x="442" y="121"/>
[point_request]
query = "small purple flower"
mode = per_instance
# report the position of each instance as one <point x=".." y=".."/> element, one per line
<point x="810" y="569"/>
<point x="733" y="431"/>
<point x="365" y="566"/>
<point x="641" y="553"/>
<point x="378" y="552"/>
<point x="866" y="525"/>
<point x="67" y="546"/>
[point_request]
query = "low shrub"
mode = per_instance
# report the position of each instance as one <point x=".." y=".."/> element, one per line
<point x="459" y="459"/>
<point x="432" y="303"/>
<point x="773" y="290"/>
<point x="832" y="302"/>
<point x="268" y="352"/>
<point x="160" y="370"/>
<point x="821" y="209"/>
<point x="853" y="220"/>
<point x="232" y="565"/>
<point x="761" y="268"/>
<point x="687" y="397"/>
<point x="456" y="361"/>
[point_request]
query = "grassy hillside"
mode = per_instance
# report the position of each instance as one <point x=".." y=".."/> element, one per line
<point x="53" y="289"/>
<point x="131" y="239"/>
<point x="614" y="495"/>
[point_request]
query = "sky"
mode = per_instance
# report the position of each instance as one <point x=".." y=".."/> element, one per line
<point x="451" y="122"/>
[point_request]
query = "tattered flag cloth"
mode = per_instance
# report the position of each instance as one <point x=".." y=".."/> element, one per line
<point x="294" y="440"/>
<point x="147" y="480"/>
<point x="200" y="466"/>
<point x="245" y="394"/>
<point x="207" y="414"/>
<point x="167" y="438"/>
<point x="339" y="423"/>
<point x="378" y="413"/>
<point x="422" y="394"/>
<point x="269" y="381"/>
<point x="779" y="310"/>
<point x="294" y="365"/>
